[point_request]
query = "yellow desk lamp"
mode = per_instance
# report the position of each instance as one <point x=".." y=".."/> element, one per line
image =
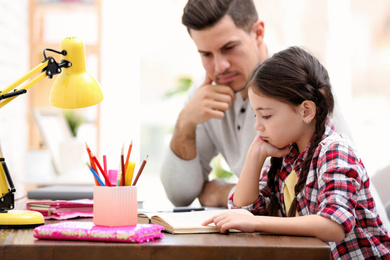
<point x="74" y="88"/>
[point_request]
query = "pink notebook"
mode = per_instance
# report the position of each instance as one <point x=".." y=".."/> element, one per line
<point x="62" y="209"/>
<point x="76" y="230"/>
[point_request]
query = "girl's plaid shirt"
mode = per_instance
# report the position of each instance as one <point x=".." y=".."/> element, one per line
<point x="337" y="187"/>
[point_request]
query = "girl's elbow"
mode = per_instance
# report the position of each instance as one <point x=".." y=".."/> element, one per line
<point x="335" y="235"/>
<point x="331" y="231"/>
<point x="339" y="236"/>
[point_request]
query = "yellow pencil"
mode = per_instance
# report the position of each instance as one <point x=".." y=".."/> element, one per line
<point x="129" y="173"/>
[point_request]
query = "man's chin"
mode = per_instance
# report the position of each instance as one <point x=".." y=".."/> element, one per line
<point x="234" y="86"/>
<point x="239" y="90"/>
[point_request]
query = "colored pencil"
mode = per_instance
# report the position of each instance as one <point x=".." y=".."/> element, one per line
<point x="107" y="181"/>
<point x="119" y="176"/>
<point x="128" y="154"/>
<point x="140" y="170"/>
<point x="123" y="166"/>
<point x="92" y="162"/>
<point x="96" y="176"/>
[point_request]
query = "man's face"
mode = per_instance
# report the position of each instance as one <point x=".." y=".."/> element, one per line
<point x="229" y="54"/>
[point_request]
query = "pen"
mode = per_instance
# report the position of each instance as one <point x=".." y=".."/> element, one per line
<point x="174" y="210"/>
<point x="188" y="209"/>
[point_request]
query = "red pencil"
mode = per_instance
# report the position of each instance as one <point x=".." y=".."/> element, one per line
<point x="140" y="171"/>
<point x="128" y="154"/>
<point x="107" y="181"/>
<point x="92" y="162"/>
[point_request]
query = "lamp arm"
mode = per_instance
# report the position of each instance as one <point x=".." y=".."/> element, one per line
<point x="19" y="81"/>
<point x="7" y="200"/>
<point x="49" y="67"/>
<point x="14" y="93"/>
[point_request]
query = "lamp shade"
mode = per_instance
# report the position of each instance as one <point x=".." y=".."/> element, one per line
<point x="75" y="87"/>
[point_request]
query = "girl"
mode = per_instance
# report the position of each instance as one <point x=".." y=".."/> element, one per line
<point x="316" y="177"/>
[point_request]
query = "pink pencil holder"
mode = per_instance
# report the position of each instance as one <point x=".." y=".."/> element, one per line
<point x="115" y="206"/>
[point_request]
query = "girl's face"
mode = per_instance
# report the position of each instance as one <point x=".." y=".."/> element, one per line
<point x="279" y="123"/>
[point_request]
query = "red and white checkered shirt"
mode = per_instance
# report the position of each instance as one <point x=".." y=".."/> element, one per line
<point x="337" y="187"/>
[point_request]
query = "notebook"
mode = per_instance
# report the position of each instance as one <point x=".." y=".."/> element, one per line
<point x="61" y="192"/>
<point x="87" y="231"/>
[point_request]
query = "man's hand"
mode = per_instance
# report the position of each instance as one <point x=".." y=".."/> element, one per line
<point x="215" y="193"/>
<point x="209" y="101"/>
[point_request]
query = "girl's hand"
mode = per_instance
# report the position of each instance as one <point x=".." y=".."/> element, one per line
<point x="233" y="220"/>
<point x="260" y="147"/>
<point x="247" y="189"/>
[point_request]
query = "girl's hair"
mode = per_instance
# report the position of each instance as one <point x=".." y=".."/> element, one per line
<point x="202" y="14"/>
<point x="293" y="76"/>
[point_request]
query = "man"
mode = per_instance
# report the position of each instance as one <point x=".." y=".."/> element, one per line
<point x="217" y="118"/>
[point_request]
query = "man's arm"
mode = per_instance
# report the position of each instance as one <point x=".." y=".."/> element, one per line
<point x="209" y="101"/>
<point x="182" y="174"/>
<point x="215" y="193"/>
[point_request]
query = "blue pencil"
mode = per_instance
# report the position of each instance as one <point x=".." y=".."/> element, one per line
<point x="96" y="175"/>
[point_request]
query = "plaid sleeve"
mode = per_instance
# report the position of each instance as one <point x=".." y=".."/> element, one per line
<point x="259" y="207"/>
<point x="339" y="182"/>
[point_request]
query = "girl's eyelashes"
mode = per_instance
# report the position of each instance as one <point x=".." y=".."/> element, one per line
<point x="264" y="117"/>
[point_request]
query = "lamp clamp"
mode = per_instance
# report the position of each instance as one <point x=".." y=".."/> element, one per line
<point x="7" y="201"/>
<point x="53" y="67"/>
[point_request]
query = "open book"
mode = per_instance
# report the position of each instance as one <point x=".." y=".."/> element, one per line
<point x="185" y="222"/>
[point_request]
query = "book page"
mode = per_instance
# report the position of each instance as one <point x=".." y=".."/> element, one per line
<point x="190" y="222"/>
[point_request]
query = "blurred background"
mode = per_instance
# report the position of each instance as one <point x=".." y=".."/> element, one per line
<point x="143" y="58"/>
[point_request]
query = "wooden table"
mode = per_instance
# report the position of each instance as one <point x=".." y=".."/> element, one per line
<point x="20" y="244"/>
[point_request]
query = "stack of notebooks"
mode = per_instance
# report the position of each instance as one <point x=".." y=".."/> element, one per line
<point x="62" y="201"/>
<point x="62" y="209"/>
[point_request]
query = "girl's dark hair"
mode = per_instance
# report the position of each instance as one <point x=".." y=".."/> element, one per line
<point x="202" y="14"/>
<point x="293" y="76"/>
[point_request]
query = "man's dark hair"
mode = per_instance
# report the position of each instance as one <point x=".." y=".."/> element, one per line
<point x="202" y="14"/>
